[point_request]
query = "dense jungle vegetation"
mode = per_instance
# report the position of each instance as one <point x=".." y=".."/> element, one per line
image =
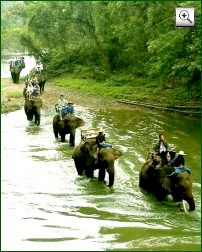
<point x="121" y="43"/>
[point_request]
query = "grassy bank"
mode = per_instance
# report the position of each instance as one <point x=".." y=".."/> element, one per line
<point x="93" y="93"/>
<point x="123" y="87"/>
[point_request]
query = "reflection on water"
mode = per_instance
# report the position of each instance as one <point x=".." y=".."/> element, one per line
<point x="46" y="206"/>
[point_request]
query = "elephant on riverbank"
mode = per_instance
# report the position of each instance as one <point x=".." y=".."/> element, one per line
<point x="164" y="180"/>
<point x="87" y="159"/>
<point x="41" y="81"/>
<point x="33" y="109"/>
<point x="67" y="126"/>
<point x="16" y="68"/>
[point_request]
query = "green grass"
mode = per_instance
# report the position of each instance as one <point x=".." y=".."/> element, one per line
<point x="124" y="87"/>
<point x="14" y="94"/>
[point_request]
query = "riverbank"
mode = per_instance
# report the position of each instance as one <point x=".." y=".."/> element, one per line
<point x="12" y="96"/>
<point x="92" y="93"/>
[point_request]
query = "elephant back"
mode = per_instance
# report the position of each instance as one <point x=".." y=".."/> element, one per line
<point x="37" y="102"/>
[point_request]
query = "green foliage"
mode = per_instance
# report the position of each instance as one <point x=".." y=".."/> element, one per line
<point x="98" y="39"/>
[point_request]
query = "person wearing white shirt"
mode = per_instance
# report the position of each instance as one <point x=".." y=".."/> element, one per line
<point x="62" y="104"/>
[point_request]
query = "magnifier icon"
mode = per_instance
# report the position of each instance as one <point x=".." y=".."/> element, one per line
<point x="184" y="15"/>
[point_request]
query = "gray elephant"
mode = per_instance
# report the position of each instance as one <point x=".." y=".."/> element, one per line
<point x="163" y="180"/>
<point x="67" y="126"/>
<point x="87" y="159"/>
<point x="16" y="66"/>
<point x="33" y="109"/>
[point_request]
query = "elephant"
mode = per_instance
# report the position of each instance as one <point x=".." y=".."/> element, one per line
<point x="16" y="68"/>
<point x="87" y="159"/>
<point x="163" y="180"/>
<point x="33" y="108"/>
<point x="41" y="85"/>
<point x="41" y="81"/>
<point x="67" y="126"/>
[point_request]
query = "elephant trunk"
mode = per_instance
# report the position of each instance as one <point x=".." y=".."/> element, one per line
<point x="111" y="179"/>
<point x="191" y="202"/>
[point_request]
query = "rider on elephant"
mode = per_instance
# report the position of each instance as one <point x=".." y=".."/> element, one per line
<point x="70" y="108"/>
<point x="29" y="90"/>
<point x="178" y="163"/>
<point x="161" y="147"/>
<point x="178" y="160"/>
<point x="36" y="91"/>
<point x="100" y="140"/>
<point x="61" y="106"/>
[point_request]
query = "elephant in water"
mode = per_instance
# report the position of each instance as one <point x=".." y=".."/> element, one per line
<point x="16" y="66"/>
<point x="67" y="126"/>
<point x="87" y="159"/>
<point x="33" y="109"/>
<point x="163" y="180"/>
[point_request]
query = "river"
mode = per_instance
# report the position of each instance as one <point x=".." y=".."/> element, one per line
<point x="46" y="206"/>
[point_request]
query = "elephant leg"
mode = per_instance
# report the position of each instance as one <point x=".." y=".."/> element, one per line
<point x="55" y="133"/>
<point x="37" y="119"/>
<point x="161" y="194"/>
<point x="101" y="174"/>
<point x="78" y="165"/>
<point x="19" y="76"/>
<point x="29" y="115"/>
<point x="72" y="139"/>
<point x="16" y="77"/>
<point x="12" y="76"/>
<point x="89" y="173"/>
<point x="43" y="86"/>
<point x="62" y="134"/>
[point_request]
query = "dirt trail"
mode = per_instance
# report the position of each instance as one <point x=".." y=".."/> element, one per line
<point x="12" y="97"/>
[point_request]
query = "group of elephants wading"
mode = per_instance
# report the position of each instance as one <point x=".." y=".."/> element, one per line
<point x="155" y="175"/>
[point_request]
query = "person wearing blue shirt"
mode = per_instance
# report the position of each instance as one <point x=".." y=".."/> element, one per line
<point x="100" y="140"/>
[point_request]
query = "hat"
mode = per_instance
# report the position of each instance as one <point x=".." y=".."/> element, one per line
<point x="100" y="130"/>
<point x="182" y="153"/>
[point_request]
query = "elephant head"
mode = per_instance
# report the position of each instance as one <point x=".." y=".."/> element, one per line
<point x="106" y="158"/>
<point x="180" y="187"/>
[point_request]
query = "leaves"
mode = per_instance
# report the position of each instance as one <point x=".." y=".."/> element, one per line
<point x="136" y="37"/>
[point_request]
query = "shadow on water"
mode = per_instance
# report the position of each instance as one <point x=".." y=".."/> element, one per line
<point x="57" y="209"/>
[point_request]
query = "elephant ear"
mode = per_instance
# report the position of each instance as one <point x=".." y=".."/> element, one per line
<point x="84" y="146"/>
<point x="117" y="153"/>
<point x="167" y="184"/>
<point x="80" y="122"/>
